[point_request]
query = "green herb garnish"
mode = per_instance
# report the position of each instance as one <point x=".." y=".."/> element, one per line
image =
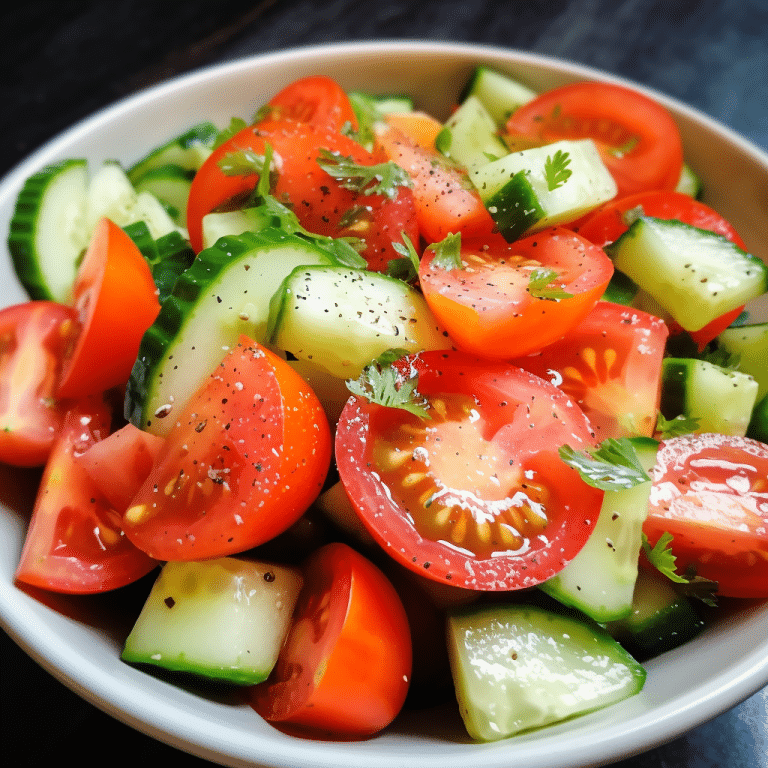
<point x="612" y="466"/>
<point x="447" y="252"/>
<point x="380" y="179"/>
<point x="406" y="268"/>
<point x="556" y="170"/>
<point x="540" y="285"/>
<point x="680" y="425"/>
<point x="236" y="124"/>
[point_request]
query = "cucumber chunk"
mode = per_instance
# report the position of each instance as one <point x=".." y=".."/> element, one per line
<point x="750" y="343"/>
<point x="536" y="188"/>
<point x="600" y="580"/>
<point x="225" y="293"/>
<point x="758" y="423"/>
<point x="341" y="319"/>
<point x="696" y="275"/>
<point x="470" y="135"/>
<point x="720" y="400"/>
<point x="224" y="619"/>
<point x="689" y="183"/>
<point x="500" y="94"/>
<point x="518" y="667"/>
<point x="48" y="231"/>
<point x="170" y="184"/>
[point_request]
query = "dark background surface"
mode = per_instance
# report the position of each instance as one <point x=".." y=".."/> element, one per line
<point x="63" y="60"/>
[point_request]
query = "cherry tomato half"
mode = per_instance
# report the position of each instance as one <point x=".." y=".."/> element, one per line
<point x="477" y="495"/>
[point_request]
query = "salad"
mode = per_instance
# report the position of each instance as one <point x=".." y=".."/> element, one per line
<point x="503" y="367"/>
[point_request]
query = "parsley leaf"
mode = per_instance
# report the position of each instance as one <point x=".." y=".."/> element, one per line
<point x="680" y="425"/>
<point x="540" y="285"/>
<point x="378" y="383"/>
<point x="380" y="179"/>
<point x="612" y="466"/>
<point x="447" y="252"/>
<point x="556" y="170"/>
<point x="236" y="124"/>
<point x="406" y="268"/>
<point x="660" y="557"/>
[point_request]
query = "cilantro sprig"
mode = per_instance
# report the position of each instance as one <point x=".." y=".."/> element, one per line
<point x="680" y="425"/>
<point x="556" y="170"/>
<point x="380" y="383"/>
<point x="406" y="267"/>
<point x="381" y="178"/>
<point x="540" y="285"/>
<point x="447" y="252"/>
<point x="612" y="466"/>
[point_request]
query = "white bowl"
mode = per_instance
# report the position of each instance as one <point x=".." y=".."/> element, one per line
<point x="79" y="639"/>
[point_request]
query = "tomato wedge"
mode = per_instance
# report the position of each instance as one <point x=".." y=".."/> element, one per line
<point x="246" y="458"/>
<point x="321" y="202"/>
<point x="477" y="495"/>
<point x="638" y="138"/>
<point x="508" y="300"/>
<point x="75" y="543"/>
<point x="345" y="667"/>
<point x="710" y="493"/>
<point x="33" y="337"/>
<point x="116" y="301"/>
<point x="610" y="364"/>
<point x="315" y="99"/>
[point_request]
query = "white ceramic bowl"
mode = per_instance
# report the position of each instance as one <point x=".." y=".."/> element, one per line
<point x="79" y="639"/>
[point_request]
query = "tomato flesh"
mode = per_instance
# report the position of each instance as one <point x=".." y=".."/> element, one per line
<point x="711" y="493"/>
<point x="508" y="513"/>
<point x="345" y="668"/>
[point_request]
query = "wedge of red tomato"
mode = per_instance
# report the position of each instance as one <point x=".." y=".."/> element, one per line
<point x="507" y="300"/>
<point x="476" y="494"/>
<point x="345" y="667"/>
<point x="246" y="458"/>
<point x="710" y="493"/>
<point x="637" y="137"/>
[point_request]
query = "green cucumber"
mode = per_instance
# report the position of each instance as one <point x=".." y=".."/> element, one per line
<point x="540" y="187"/>
<point x="719" y="399"/>
<point x="500" y="94"/>
<point x="689" y="183"/>
<point x="189" y="151"/>
<point x="758" y="423"/>
<point x="224" y="619"/>
<point x="518" y="667"/>
<point x="600" y="580"/>
<point x="696" y="275"/>
<point x="470" y="135"/>
<point x="48" y="232"/>
<point x="224" y="293"/>
<point x="342" y="318"/>
<point x="661" y="619"/>
<point x="621" y="290"/>
<point x="170" y="184"/>
<point x="750" y="343"/>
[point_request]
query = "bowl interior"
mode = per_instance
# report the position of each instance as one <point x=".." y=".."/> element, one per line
<point x="79" y="639"/>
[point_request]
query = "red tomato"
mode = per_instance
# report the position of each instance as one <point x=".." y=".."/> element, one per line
<point x="119" y="464"/>
<point x="637" y="137"/>
<point x="445" y="200"/>
<point x="711" y="493"/>
<point x="610" y="365"/>
<point x="345" y="667"/>
<point x="33" y="337"/>
<point x="321" y="203"/>
<point x="317" y="99"/>
<point x="489" y="307"/>
<point x="75" y="543"/>
<point x="247" y="457"/>
<point x="116" y="301"/>
<point x="606" y="224"/>
<point x="477" y="495"/>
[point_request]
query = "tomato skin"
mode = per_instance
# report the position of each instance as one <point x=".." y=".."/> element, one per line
<point x="610" y="364"/>
<point x="116" y="300"/>
<point x="709" y="492"/>
<point x="74" y="542"/>
<point x="245" y="459"/>
<point x="606" y="225"/>
<point x="316" y="99"/>
<point x="525" y="420"/>
<point x="345" y="668"/>
<point x="487" y="309"/>
<point x="614" y="116"/>
<point x="33" y="337"/>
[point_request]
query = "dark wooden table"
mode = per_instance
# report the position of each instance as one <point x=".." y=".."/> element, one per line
<point x="63" y="60"/>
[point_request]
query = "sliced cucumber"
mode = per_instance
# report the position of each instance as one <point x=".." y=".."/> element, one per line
<point x="341" y="319"/>
<point x="750" y="343"/>
<point x="518" y="667"/>
<point x="189" y="151"/>
<point x="170" y="184"/>
<point x="470" y="135"/>
<point x="540" y="187"/>
<point x="48" y="231"/>
<point x="696" y="275"/>
<point x="500" y="94"/>
<point x="225" y="293"/>
<point x="226" y="223"/>
<point x="758" y="423"/>
<point x="689" y="183"/>
<point x="224" y="619"/>
<point x="720" y="400"/>
<point x="621" y="290"/>
<point x="600" y="580"/>
<point x="661" y="619"/>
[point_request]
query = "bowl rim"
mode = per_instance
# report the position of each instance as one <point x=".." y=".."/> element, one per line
<point x="117" y="696"/>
